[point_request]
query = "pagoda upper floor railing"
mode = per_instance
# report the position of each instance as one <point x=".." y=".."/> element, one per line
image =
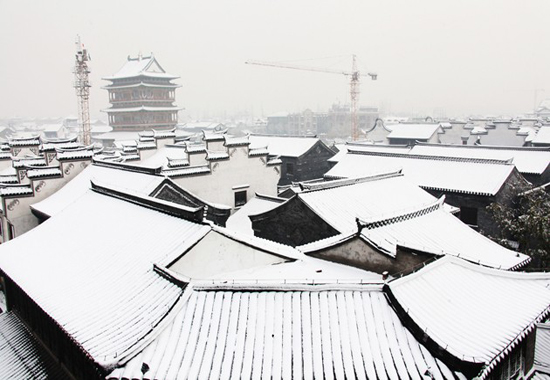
<point x="143" y="102"/>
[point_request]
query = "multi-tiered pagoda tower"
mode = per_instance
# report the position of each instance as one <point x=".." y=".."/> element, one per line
<point x="142" y="96"/>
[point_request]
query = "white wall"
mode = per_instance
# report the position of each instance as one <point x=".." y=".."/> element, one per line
<point x="216" y="254"/>
<point x="238" y="171"/>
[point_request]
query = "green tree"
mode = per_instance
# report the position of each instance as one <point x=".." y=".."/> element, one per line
<point x="527" y="221"/>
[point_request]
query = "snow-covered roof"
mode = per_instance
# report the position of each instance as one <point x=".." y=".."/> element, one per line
<point x="22" y="356"/>
<point x="240" y="221"/>
<point x="340" y="202"/>
<point x="277" y="331"/>
<point x="195" y="148"/>
<point x="35" y="161"/>
<point x="143" y="145"/>
<point x="118" y="136"/>
<point x="141" y="66"/>
<point x="474" y="313"/>
<point x="203" y="125"/>
<point x="74" y="154"/>
<point x="367" y="147"/>
<point x="11" y="190"/>
<point x="9" y="178"/>
<point x="98" y="282"/>
<point x="412" y="131"/>
<point x="185" y="171"/>
<point x="163" y="155"/>
<point x="282" y="145"/>
<point x="216" y="155"/>
<point x="24" y="141"/>
<point x="97" y="129"/>
<point x="52" y="127"/>
<point x="526" y="160"/>
<point x="543" y="136"/>
<point x="478" y="130"/>
<point x="438" y="173"/>
<point x="49" y="146"/>
<point x="177" y="162"/>
<point x="432" y="229"/>
<point x="236" y="141"/>
<point x="44" y="172"/>
<point x="78" y="186"/>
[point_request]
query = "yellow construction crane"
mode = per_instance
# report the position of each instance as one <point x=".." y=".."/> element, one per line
<point x="354" y="82"/>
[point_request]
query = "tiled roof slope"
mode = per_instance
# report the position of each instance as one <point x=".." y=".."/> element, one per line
<point x="78" y="186"/>
<point x="98" y="281"/>
<point x="240" y="221"/>
<point x="146" y="66"/>
<point x="526" y="160"/>
<point x="543" y="136"/>
<point x="412" y="131"/>
<point x="434" y="230"/>
<point x="340" y="205"/>
<point x="283" y="146"/>
<point x="464" y="176"/>
<point x="21" y="355"/>
<point x="300" y="332"/>
<point x="474" y="313"/>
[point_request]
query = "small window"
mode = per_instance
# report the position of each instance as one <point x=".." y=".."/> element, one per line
<point x="240" y="198"/>
<point x="290" y="168"/>
<point x="11" y="231"/>
<point x="469" y="215"/>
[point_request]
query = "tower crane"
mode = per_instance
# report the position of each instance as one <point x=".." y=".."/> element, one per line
<point x="354" y="84"/>
<point x="82" y="86"/>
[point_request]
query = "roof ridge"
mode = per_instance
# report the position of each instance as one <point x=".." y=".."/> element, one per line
<point x="271" y="197"/>
<point x="401" y="216"/>
<point x="128" y="167"/>
<point x="288" y="285"/>
<point x="492" y="147"/>
<point x="347" y="181"/>
<point x="491" y="161"/>
<point x="191" y="214"/>
<point x="272" y="135"/>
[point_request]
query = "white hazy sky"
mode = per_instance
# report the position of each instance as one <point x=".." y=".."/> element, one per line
<point x="458" y="57"/>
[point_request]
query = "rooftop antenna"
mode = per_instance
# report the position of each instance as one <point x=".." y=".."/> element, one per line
<point x="82" y="86"/>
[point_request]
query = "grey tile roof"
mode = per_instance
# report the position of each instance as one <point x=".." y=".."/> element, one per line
<point x="21" y="355"/>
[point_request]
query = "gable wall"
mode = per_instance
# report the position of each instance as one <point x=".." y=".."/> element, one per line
<point x="358" y="253"/>
<point x="239" y="170"/>
<point x="292" y="223"/>
<point x="311" y="165"/>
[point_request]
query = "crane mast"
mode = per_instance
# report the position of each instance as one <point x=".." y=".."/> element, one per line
<point x="354" y="91"/>
<point x="82" y="86"/>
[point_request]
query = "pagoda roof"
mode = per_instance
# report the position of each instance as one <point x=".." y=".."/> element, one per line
<point x="142" y="84"/>
<point x="142" y="108"/>
<point x="141" y="66"/>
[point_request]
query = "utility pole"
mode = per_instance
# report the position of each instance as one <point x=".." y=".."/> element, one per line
<point x="82" y="86"/>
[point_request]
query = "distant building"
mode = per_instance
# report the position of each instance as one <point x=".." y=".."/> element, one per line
<point x="142" y="96"/>
<point x="339" y="120"/>
<point x="335" y="123"/>
<point x="297" y="124"/>
<point x="543" y="110"/>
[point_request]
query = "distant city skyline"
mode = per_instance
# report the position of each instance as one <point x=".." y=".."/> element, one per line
<point x="432" y="57"/>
